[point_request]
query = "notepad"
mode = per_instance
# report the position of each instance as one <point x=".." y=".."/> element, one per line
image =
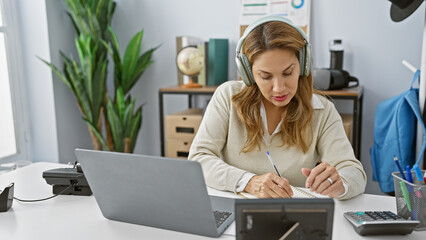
<point x="298" y="192"/>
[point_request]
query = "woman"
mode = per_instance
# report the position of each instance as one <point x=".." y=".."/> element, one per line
<point x="274" y="110"/>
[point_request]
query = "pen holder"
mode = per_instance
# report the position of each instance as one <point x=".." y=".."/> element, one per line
<point x="411" y="199"/>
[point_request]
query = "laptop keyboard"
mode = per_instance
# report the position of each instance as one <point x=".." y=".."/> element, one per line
<point x="221" y="217"/>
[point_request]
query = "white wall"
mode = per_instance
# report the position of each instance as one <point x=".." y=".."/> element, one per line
<point x="55" y="122"/>
<point x="38" y="79"/>
<point x="374" y="49"/>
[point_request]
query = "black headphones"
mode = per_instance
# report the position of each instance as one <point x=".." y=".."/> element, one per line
<point x="243" y="64"/>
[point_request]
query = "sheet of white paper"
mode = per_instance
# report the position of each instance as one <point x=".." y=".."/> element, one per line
<point x="298" y="192"/>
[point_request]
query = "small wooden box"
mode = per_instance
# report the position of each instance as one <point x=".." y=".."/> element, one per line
<point x="183" y="125"/>
<point x="177" y="148"/>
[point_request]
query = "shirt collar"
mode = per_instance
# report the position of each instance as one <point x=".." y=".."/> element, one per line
<point x="316" y="104"/>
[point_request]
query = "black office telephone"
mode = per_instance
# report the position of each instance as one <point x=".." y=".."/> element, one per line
<point x="68" y="181"/>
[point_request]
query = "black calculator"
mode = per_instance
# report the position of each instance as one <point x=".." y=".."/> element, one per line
<point x="380" y="223"/>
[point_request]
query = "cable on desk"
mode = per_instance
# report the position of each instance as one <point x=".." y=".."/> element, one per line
<point x="43" y="199"/>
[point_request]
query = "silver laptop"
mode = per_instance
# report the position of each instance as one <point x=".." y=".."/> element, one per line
<point x="155" y="191"/>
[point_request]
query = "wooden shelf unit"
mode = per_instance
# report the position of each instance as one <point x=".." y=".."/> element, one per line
<point x="355" y="95"/>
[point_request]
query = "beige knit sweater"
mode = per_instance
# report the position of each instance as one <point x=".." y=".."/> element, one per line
<point x="221" y="136"/>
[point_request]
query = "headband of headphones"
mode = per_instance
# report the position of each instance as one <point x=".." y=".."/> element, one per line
<point x="243" y="64"/>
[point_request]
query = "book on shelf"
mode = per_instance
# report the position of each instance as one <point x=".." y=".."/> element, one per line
<point x="217" y="70"/>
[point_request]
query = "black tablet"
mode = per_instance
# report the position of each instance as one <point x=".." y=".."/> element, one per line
<point x="288" y="219"/>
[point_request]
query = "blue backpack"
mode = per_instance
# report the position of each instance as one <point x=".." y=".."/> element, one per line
<point x="395" y="130"/>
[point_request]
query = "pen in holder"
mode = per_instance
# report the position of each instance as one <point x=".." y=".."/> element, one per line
<point x="410" y="198"/>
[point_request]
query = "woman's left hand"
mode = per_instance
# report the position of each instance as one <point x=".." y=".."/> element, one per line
<point x="324" y="179"/>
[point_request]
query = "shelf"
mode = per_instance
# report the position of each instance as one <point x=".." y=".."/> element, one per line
<point x="176" y="89"/>
<point x="354" y="94"/>
<point x="346" y="92"/>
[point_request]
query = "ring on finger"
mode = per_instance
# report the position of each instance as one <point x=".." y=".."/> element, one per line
<point x="330" y="180"/>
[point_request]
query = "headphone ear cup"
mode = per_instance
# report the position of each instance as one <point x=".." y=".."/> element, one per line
<point x="242" y="71"/>
<point x="302" y="61"/>
<point x="247" y="67"/>
<point x="308" y="59"/>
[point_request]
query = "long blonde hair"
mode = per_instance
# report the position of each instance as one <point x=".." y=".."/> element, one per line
<point x="296" y="129"/>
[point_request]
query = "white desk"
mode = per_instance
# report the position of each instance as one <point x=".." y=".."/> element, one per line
<point x="78" y="217"/>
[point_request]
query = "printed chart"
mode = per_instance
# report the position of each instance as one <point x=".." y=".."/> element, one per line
<point x="297" y="11"/>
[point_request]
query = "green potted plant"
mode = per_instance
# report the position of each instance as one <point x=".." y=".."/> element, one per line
<point x="87" y="76"/>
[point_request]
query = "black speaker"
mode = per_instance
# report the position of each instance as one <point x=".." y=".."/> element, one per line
<point x="332" y="79"/>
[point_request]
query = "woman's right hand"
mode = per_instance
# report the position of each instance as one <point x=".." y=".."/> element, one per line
<point x="269" y="185"/>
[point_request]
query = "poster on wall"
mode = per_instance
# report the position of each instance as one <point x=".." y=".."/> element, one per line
<point x="297" y="11"/>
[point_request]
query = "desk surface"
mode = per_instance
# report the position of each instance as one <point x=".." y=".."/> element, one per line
<point x="78" y="217"/>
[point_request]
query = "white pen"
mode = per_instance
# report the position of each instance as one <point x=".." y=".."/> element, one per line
<point x="276" y="170"/>
<point x="272" y="162"/>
